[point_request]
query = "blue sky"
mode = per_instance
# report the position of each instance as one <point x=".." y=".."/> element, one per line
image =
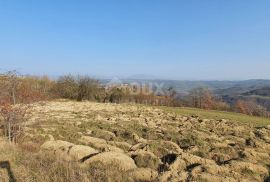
<point x="172" y="39"/>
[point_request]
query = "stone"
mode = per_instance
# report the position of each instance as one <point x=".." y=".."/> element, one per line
<point x="79" y="152"/>
<point x="122" y="161"/>
<point x="146" y="159"/>
<point x="139" y="146"/>
<point x="99" y="144"/>
<point x="122" y="145"/>
<point x="68" y="151"/>
<point x="142" y="175"/>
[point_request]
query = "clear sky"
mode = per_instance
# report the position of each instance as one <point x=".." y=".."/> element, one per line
<point x="174" y="39"/>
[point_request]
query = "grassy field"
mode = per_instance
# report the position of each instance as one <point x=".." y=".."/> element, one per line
<point x="211" y="114"/>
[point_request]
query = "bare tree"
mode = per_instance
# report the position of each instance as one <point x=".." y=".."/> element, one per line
<point x="202" y="98"/>
<point x="9" y="83"/>
<point x="251" y="108"/>
<point x="12" y="115"/>
<point x="87" y="88"/>
<point x="66" y="87"/>
<point x="77" y="87"/>
<point x="13" y="119"/>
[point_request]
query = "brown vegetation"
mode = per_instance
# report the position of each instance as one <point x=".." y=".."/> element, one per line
<point x="203" y="98"/>
<point x="89" y="141"/>
<point x="251" y="108"/>
<point x="28" y="89"/>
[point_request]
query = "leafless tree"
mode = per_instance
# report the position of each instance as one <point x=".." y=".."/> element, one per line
<point x="13" y="118"/>
<point x="12" y="115"/>
<point x="9" y="84"/>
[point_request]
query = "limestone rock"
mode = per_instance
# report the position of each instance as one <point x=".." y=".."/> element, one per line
<point x="99" y="144"/>
<point x="79" y="152"/>
<point x="68" y="151"/>
<point x="146" y="159"/>
<point x="122" y="145"/>
<point x="122" y="161"/>
<point x="141" y="175"/>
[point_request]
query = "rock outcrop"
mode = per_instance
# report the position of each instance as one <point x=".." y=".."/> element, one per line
<point x="149" y="144"/>
<point x="120" y="160"/>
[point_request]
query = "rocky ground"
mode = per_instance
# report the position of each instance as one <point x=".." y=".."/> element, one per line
<point x="138" y="143"/>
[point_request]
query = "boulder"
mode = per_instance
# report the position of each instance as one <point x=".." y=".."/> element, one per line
<point x="59" y="148"/>
<point x="99" y="144"/>
<point x="122" y="161"/>
<point x="171" y="147"/>
<point x="210" y="177"/>
<point x="68" y="151"/>
<point x="122" y="145"/>
<point x="146" y="159"/>
<point x="253" y="156"/>
<point x="54" y="145"/>
<point x="80" y="152"/>
<point x="138" y="139"/>
<point x="139" y="146"/>
<point x="252" y="169"/>
<point x="162" y="148"/>
<point x="267" y="127"/>
<point x="103" y="134"/>
<point x="174" y="176"/>
<point x="141" y="175"/>
<point x="263" y="134"/>
<point x="92" y="140"/>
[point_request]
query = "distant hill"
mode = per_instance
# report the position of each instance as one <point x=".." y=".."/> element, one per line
<point x="219" y="87"/>
<point x="261" y="95"/>
<point x="229" y="91"/>
<point x="265" y="91"/>
<point x="243" y="88"/>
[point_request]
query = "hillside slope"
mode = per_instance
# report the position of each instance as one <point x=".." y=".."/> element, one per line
<point x="124" y="142"/>
<point x="265" y="92"/>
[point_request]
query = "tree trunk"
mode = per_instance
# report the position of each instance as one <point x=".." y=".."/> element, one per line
<point x="13" y="96"/>
<point x="9" y="132"/>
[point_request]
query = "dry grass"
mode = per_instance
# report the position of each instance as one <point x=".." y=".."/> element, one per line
<point x="212" y="114"/>
<point x="130" y="124"/>
<point x="28" y="165"/>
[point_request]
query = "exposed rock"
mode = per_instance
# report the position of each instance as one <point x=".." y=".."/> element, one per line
<point x="103" y="134"/>
<point x="139" y="146"/>
<point x="253" y="156"/>
<point x="190" y="160"/>
<point x="99" y="144"/>
<point x="81" y="152"/>
<point x="210" y="177"/>
<point x="162" y="148"/>
<point x="51" y="138"/>
<point x="141" y="175"/>
<point x="263" y="134"/>
<point x="174" y="176"/>
<point x="171" y="147"/>
<point x="248" y="167"/>
<point x="59" y="148"/>
<point x="146" y="159"/>
<point x="138" y="139"/>
<point x="121" y="160"/>
<point x="122" y="145"/>
<point x="92" y="140"/>
<point x="223" y="154"/>
<point x="78" y="123"/>
<point x="180" y="148"/>
<point x="68" y="151"/>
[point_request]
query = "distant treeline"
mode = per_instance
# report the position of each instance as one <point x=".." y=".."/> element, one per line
<point x="26" y="89"/>
<point x="15" y="88"/>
